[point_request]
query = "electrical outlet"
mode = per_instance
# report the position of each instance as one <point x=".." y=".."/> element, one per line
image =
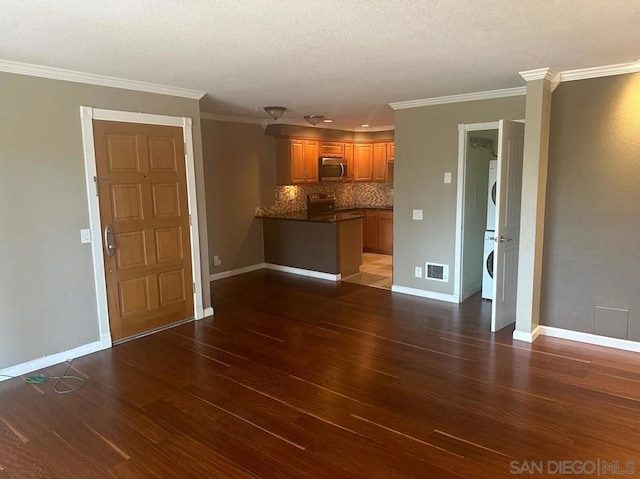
<point x="217" y="261"/>
<point x="447" y="177"/>
<point x="418" y="272"/>
<point x="417" y="215"/>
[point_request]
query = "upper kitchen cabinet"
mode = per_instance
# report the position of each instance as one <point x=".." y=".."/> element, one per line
<point x="380" y="158"/>
<point x="297" y="161"/>
<point x="348" y="158"/>
<point x="332" y="150"/>
<point x="391" y="151"/>
<point x="363" y="162"/>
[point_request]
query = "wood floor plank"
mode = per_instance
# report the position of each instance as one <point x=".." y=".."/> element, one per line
<point x="297" y="377"/>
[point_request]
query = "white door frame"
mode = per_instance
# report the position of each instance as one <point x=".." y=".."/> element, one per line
<point x="87" y="115"/>
<point x="463" y="128"/>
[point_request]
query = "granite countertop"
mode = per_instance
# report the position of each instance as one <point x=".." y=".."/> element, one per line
<point x="364" y="207"/>
<point x="303" y="216"/>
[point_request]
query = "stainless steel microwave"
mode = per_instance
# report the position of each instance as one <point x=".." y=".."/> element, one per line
<point x="333" y="169"/>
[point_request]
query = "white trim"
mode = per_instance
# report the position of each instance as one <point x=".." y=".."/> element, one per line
<point x="235" y="272"/>
<point x="441" y="100"/>
<point x="93" y="79"/>
<point x="285" y="121"/>
<point x="208" y="312"/>
<point x="87" y="115"/>
<point x="463" y="128"/>
<point x="196" y="268"/>
<point x="588" y="338"/>
<point x="540" y="74"/>
<point x="602" y="71"/>
<point x="303" y="272"/>
<point x="526" y="336"/>
<point x="50" y="360"/>
<point x="549" y="74"/>
<point x="449" y="298"/>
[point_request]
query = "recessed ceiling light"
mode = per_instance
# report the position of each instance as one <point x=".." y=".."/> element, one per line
<point x="364" y="126"/>
<point x="328" y="120"/>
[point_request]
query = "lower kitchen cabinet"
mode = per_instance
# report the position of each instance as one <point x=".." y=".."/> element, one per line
<point x="378" y="231"/>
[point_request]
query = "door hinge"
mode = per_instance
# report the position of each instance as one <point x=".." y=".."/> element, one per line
<point x="95" y="181"/>
<point x="189" y="220"/>
<point x="194" y="287"/>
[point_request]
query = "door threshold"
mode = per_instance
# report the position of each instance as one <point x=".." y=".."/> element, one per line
<point x="153" y="331"/>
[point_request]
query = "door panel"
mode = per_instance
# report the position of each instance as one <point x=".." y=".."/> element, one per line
<point x="507" y="233"/>
<point x="143" y="196"/>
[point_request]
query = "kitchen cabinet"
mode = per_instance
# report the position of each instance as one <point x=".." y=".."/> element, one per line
<point x="332" y="150"/>
<point x="348" y="158"/>
<point x="391" y="152"/>
<point x="296" y="161"/>
<point x="378" y="231"/>
<point x="383" y="159"/>
<point x="363" y="162"/>
<point x="380" y="161"/>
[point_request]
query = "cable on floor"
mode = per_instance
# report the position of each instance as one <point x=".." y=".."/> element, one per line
<point x="43" y="378"/>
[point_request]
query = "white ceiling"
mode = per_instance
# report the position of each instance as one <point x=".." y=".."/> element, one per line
<point x="345" y="59"/>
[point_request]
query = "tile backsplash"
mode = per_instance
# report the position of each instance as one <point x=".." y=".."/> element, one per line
<point x="294" y="197"/>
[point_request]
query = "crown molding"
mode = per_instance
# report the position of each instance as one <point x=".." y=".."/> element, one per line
<point x="93" y="79"/>
<point x="597" y="72"/>
<point x="551" y="75"/>
<point x="540" y="74"/>
<point x="442" y="100"/>
<point x="286" y="121"/>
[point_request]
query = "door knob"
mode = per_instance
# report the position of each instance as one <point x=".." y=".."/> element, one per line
<point x="504" y="240"/>
<point x="109" y="240"/>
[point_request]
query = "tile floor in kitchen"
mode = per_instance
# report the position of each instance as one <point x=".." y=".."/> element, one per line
<point x="376" y="271"/>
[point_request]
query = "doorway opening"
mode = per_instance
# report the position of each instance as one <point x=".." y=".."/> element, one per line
<point x="490" y="158"/>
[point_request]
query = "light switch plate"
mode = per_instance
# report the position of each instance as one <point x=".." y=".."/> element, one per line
<point x="417" y="215"/>
<point x="447" y="177"/>
<point x="85" y="236"/>
<point x="418" y="272"/>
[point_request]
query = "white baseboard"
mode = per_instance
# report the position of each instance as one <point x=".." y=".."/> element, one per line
<point x="304" y="272"/>
<point x="449" y="298"/>
<point x="208" y="312"/>
<point x="50" y="360"/>
<point x="589" y="338"/>
<point x="234" y="272"/>
<point x="527" y="337"/>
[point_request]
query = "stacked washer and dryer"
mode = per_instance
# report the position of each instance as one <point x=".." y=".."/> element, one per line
<point x="489" y="234"/>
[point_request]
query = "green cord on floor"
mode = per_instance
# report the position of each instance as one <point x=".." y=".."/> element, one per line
<point x="42" y="378"/>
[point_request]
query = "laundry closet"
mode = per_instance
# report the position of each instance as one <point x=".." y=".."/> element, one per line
<point x="479" y="213"/>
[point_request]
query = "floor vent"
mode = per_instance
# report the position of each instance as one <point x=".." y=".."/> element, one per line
<point x="437" y="272"/>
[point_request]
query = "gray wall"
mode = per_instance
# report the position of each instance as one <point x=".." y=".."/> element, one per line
<point x="427" y="146"/>
<point x="47" y="292"/>
<point x="239" y="166"/>
<point x="592" y="222"/>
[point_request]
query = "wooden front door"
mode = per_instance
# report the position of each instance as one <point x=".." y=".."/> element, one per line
<point x="142" y="192"/>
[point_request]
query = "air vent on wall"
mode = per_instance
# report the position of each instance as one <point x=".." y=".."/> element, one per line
<point x="437" y="272"/>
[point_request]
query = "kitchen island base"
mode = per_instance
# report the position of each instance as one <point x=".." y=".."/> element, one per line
<point x="334" y="248"/>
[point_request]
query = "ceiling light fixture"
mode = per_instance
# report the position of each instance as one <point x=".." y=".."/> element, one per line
<point x="366" y="125"/>
<point x="275" y="112"/>
<point x="314" y="119"/>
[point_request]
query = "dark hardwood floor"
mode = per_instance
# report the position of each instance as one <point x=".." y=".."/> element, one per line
<point x="296" y="377"/>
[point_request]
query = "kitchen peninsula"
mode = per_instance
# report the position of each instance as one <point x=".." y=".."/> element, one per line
<point x="331" y="245"/>
<point x="318" y="240"/>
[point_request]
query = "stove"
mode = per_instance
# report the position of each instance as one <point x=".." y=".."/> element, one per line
<point x="321" y="204"/>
